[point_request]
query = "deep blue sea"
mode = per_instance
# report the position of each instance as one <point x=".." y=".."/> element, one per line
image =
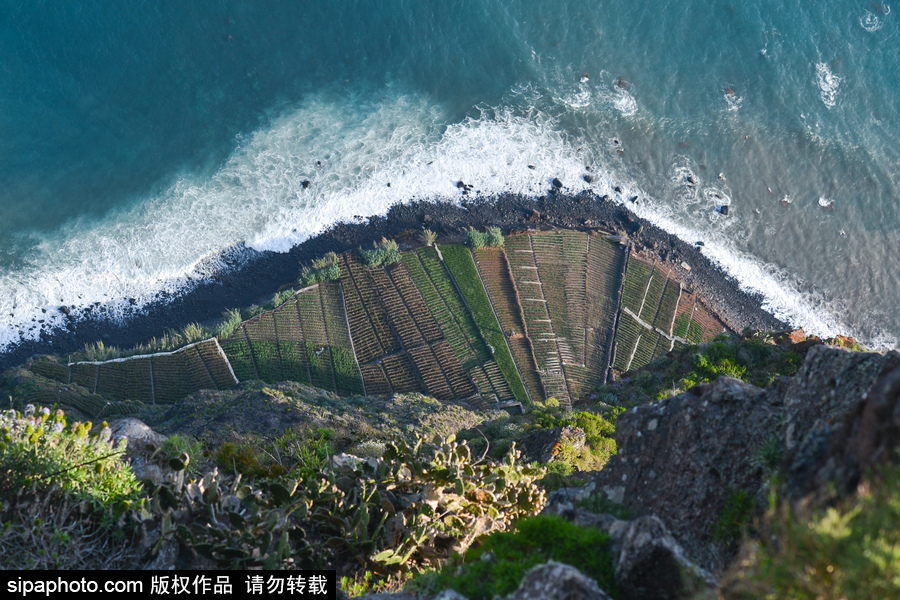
<point x="140" y="139"/>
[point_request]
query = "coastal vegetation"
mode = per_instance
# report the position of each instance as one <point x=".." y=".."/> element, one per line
<point x="402" y="421"/>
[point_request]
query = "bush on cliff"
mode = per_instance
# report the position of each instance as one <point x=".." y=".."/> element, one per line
<point x="848" y="551"/>
<point x="496" y="565"/>
<point x="64" y="494"/>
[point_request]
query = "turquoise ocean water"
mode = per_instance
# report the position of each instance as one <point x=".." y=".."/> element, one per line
<point x="139" y="139"/>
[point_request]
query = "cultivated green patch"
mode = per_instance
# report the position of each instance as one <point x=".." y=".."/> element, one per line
<point x="459" y="261"/>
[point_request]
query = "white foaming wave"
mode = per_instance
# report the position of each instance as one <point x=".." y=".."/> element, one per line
<point x="780" y="296"/>
<point x="625" y="103"/>
<point x="733" y="101"/>
<point x="348" y="151"/>
<point x="828" y="84"/>
<point x="872" y="22"/>
<point x="826" y="202"/>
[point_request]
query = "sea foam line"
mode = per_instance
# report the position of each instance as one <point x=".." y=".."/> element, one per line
<point x="348" y="151"/>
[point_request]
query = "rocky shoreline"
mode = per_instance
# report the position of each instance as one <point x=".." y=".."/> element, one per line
<point x="259" y="277"/>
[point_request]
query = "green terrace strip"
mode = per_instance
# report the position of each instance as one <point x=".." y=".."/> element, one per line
<point x="305" y="339"/>
<point x="436" y="288"/>
<point x="459" y="261"/>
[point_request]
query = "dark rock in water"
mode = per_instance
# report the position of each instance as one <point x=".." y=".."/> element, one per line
<point x="305" y="183"/>
<point x="588" y="178"/>
<point x="699" y="243"/>
<point x="65" y="310"/>
<point x="461" y="185"/>
<point x="618" y="189"/>
<point x="389" y="184"/>
<point x="724" y="209"/>
<point x="620" y="151"/>
<point x="729" y="92"/>
<point x="532" y="167"/>
<point x="622" y="83"/>
<point x="557" y="183"/>
<point x="556" y="581"/>
<point x="633" y="199"/>
<point x="691" y="180"/>
<point x="545" y="445"/>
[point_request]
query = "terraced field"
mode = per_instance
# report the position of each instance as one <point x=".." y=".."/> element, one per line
<point x="306" y="339"/>
<point x="657" y="313"/>
<point x="567" y="284"/>
<point x="161" y="378"/>
<point x="457" y="326"/>
<point x="693" y="323"/>
<point x="494" y="271"/>
<point x="461" y="266"/>
<point x="548" y="345"/>
<point x="546" y="316"/>
<point x="399" y="343"/>
<point x="605" y="266"/>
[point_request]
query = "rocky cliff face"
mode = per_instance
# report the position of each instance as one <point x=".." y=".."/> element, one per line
<point x="681" y="459"/>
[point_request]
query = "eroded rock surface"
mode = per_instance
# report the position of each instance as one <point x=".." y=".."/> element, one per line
<point x="680" y="459"/>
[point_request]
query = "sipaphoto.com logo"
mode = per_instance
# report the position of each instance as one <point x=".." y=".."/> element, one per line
<point x="60" y="585"/>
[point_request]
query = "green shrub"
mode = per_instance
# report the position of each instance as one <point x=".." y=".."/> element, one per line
<point x="493" y="237"/>
<point x="176" y="445"/>
<point x="39" y="450"/>
<point x="231" y="320"/>
<point x="327" y="268"/>
<point x="428" y="237"/>
<point x="98" y="351"/>
<point x="734" y="517"/>
<point x="849" y="551"/>
<point x="599" y="504"/>
<point x="475" y="239"/>
<point x="496" y="566"/>
<point x="384" y="253"/>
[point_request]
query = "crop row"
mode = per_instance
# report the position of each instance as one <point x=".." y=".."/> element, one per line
<point x="606" y="261"/>
<point x="376" y="381"/>
<point x="643" y="354"/>
<point x="238" y="351"/>
<point x="400" y="373"/>
<point x="463" y="270"/>
<point x="495" y="273"/>
<point x="367" y="314"/>
<point x="345" y="371"/>
<point x="534" y="306"/>
<point x="312" y="320"/>
<point x="562" y="270"/>
<point x="216" y="364"/>
<point x="430" y="371"/>
<point x="637" y="275"/>
<point x="51" y="370"/>
<point x="626" y="337"/>
<point x="443" y="315"/>
<point x="654" y="295"/>
<point x="457" y="377"/>
<point x="414" y="303"/>
<point x="400" y="319"/>
<point x="667" y="306"/>
<point x="332" y="300"/>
